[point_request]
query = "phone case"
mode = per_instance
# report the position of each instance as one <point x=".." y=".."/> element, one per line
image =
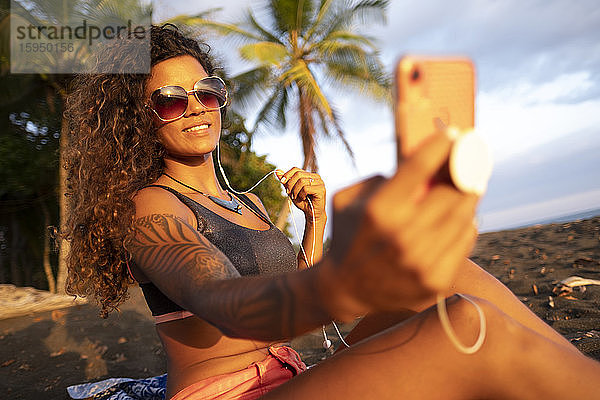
<point x="432" y="93"/>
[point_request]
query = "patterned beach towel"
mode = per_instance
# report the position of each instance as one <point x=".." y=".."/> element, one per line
<point x="121" y="389"/>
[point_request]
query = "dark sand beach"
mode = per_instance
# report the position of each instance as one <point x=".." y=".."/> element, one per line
<point x="44" y="352"/>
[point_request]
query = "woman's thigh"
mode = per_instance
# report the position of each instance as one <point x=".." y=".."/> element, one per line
<point x="415" y="360"/>
<point x="411" y="360"/>
<point x="374" y="323"/>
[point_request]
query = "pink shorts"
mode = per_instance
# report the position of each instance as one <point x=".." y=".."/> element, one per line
<point x="281" y="365"/>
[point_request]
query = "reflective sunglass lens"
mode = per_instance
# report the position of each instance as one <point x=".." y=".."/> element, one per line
<point x="208" y="100"/>
<point x="168" y="104"/>
<point x="170" y="107"/>
<point x="212" y="85"/>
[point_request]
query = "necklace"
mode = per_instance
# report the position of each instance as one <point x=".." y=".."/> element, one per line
<point x="232" y="205"/>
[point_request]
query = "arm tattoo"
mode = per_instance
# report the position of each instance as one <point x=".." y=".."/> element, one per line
<point x="164" y="243"/>
<point x="197" y="276"/>
<point x="263" y="307"/>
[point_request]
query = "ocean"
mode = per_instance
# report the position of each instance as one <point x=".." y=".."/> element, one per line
<point x="570" y="217"/>
<point x="582" y="214"/>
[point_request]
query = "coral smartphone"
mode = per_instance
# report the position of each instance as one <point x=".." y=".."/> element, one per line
<point x="432" y="93"/>
<point x="435" y="94"/>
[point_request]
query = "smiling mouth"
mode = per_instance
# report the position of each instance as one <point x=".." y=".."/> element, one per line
<point x="197" y="128"/>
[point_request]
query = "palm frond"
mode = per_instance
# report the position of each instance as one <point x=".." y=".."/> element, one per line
<point x="352" y="65"/>
<point x="327" y="123"/>
<point x="47" y="11"/>
<point x="206" y="14"/>
<point x="221" y="28"/>
<point x="265" y="53"/>
<point x="368" y="78"/>
<point x="370" y="11"/>
<point x="341" y="37"/>
<point x="345" y="16"/>
<point x="251" y="87"/>
<point x="290" y="15"/>
<point x="301" y="75"/>
<point x="304" y="15"/>
<point x="189" y="20"/>
<point x="270" y="36"/>
<point x="333" y="49"/>
<point x="106" y="12"/>
<point x="323" y="10"/>
<point x="272" y="114"/>
<point x="18" y="10"/>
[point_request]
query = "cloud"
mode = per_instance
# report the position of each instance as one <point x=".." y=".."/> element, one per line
<point x="507" y="39"/>
<point x="518" y="117"/>
<point x="566" y="88"/>
<point x="230" y="10"/>
<point x="566" y="165"/>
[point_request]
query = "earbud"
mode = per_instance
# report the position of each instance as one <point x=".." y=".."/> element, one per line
<point x="326" y="342"/>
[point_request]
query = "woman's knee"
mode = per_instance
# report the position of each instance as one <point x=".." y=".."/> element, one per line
<point x="506" y="340"/>
<point x="470" y="315"/>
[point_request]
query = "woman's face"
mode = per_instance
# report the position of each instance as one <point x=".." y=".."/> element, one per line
<point x="197" y="133"/>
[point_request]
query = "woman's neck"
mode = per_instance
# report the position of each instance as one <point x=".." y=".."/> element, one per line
<point x="199" y="174"/>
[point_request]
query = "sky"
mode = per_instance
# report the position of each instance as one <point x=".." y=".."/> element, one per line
<point x="537" y="104"/>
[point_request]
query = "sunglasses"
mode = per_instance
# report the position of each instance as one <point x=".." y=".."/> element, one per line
<point x="170" y="102"/>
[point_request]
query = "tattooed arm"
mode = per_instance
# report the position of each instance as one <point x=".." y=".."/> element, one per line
<point x="193" y="273"/>
<point x="393" y="247"/>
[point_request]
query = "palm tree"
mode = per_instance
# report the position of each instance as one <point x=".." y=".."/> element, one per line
<point x="51" y="13"/>
<point x="298" y="47"/>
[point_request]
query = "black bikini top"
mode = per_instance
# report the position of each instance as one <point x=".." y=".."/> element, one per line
<point x="251" y="251"/>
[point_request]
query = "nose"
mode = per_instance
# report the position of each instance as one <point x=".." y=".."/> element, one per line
<point x="194" y="106"/>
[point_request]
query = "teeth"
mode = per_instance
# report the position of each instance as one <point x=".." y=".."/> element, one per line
<point x="196" y="128"/>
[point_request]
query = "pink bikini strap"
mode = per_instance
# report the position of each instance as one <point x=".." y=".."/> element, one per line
<point x="129" y="269"/>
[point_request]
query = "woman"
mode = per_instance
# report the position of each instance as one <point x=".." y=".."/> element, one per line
<point x="220" y="280"/>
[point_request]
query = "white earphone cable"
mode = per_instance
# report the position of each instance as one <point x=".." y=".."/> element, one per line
<point x="445" y="322"/>
<point x="326" y="342"/>
<point x="227" y="180"/>
<point x="289" y="201"/>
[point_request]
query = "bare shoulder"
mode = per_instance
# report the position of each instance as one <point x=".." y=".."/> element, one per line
<point x="154" y="200"/>
<point x="166" y="246"/>
<point x="153" y="204"/>
<point x="256" y="200"/>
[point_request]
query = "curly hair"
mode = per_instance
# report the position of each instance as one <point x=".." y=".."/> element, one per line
<point x="112" y="151"/>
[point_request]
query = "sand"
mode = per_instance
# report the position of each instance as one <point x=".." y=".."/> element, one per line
<point x="42" y="353"/>
<point x="530" y="261"/>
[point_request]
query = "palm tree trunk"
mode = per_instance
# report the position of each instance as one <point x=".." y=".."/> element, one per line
<point x="307" y="133"/>
<point x="46" y="256"/>
<point x="283" y="216"/>
<point x="3" y="274"/>
<point x="16" y="248"/>
<point x="61" y="276"/>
